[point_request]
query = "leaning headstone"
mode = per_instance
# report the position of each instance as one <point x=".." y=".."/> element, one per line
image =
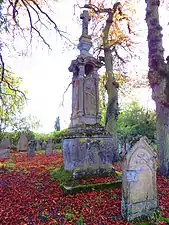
<point x="31" y="148"/>
<point x="139" y="192"/>
<point x="49" y="148"/>
<point x="22" y="143"/>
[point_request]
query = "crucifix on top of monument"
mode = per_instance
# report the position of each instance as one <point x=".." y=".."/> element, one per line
<point x="85" y="24"/>
<point x="85" y="42"/>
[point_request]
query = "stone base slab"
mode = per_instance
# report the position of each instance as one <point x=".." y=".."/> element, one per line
<point x="131" y="211"/>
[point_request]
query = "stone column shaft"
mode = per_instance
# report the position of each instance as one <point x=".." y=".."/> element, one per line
<point x="80" y="90"/>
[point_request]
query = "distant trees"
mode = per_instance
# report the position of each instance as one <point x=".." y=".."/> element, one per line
<point x="135" y="121"/>
<point x="12" y="100"/>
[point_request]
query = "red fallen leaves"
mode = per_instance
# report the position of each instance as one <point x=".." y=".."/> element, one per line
<point x="95" y="180"/>
<point x="28" y="196"/>
<point x="117" y="166"/>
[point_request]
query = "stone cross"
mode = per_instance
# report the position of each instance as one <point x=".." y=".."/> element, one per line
<point x="85" y="18"/>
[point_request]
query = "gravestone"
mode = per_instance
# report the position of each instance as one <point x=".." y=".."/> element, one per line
<point x="31" y="148"/>
<point x="49" y="148"/>
<point x="88" y="147"/>
<point x="43" y="145"/>
<point x="39" y="145"/>
<point x="5" y="143"/>
<point x="22" y="143"/>
<point x="139" y="191"/>
<point x="5" y="149"/>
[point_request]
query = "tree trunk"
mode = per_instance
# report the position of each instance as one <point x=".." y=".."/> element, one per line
<point x="159" y="82"/>
<point x="111" y="87"/>
<point x="112" y="113"/>
<point x="163" y="138"/>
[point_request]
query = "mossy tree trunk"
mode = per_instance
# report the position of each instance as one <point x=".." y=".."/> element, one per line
<point x="159" y="81"/>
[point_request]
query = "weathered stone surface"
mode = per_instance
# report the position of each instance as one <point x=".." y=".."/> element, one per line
<point x="39" y="145"/>
<point x="5" y="144"/>
<point x="49" y="148"/>
<point x="139" y="194"/>
<point x="31" y="148"/>
<point x="81" y="153"/>
<point x="22" y="143"/>
<point x="43" y="145"/>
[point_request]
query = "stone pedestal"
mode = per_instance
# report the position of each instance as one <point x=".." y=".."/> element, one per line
<point x="88" y="150"/>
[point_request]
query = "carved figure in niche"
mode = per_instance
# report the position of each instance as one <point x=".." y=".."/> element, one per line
<point x="89" y="92"/>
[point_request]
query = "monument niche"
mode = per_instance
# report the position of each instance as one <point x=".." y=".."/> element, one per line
<point x="88" y="147"/>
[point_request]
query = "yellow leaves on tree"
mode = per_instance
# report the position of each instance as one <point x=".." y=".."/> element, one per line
<point x="118" y="34"/>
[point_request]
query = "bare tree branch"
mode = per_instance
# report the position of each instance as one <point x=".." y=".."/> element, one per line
<point x="2" y="68"/>
<point x="62" y="103"/>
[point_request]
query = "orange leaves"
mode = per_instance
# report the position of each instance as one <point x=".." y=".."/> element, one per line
<point x="119" y="31"/>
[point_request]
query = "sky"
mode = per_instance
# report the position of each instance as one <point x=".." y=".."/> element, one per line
<point x="45" y="74"/>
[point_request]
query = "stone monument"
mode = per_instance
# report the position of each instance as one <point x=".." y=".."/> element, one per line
<point x="22" y="143"/>
<point x="31" y="148"/>
<point x="49" y="148"/>
<point x="88" y="147"/>
<point x="139" y="193"/>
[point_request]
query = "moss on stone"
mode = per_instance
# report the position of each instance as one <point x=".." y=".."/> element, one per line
<point x="101" y="142"/>
<point x="91" y="187"/>
<point x="82" y="140"/>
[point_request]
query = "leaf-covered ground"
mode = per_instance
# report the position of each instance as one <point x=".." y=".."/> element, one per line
<point x="29" y="197"/>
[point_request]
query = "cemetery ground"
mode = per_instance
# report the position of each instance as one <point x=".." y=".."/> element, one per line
<point x="30" y="194"/>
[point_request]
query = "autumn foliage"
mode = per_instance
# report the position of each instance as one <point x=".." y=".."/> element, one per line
<point x="28" y="196"/>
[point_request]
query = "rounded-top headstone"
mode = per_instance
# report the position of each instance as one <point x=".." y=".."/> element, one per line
<point x="22" y="143"/>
